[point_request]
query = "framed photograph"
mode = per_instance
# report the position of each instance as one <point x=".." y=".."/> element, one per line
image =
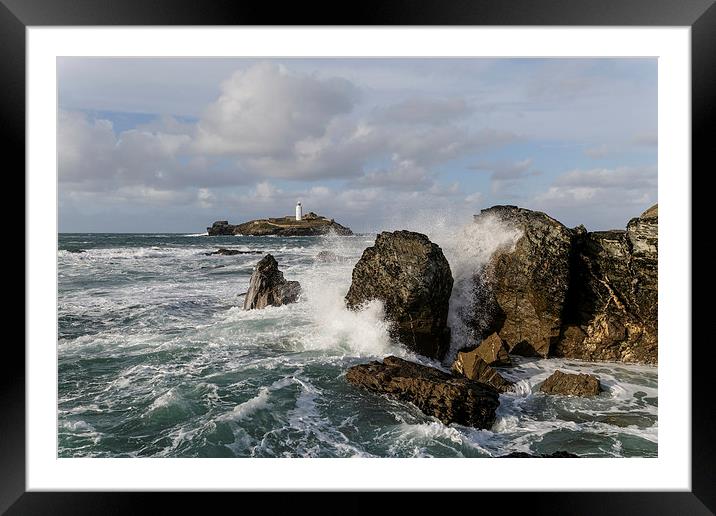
<point x="377" y="253"/>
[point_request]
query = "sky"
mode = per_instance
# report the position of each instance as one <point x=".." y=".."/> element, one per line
<point x="173" y="144"/>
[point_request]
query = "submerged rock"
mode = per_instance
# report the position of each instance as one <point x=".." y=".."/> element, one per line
<point x="451" y="399"/>
<point x="525" y="287"/>
<point x="612" y="309"/>
<point x="411" y="276"/>
<point x="328" y="257"/>
<point x="553" y="455"/>
<point x="472" y="366"/>
<point x="571" y="384"/>
<point x="268" y="287"/>
<point x="232" y="252"/>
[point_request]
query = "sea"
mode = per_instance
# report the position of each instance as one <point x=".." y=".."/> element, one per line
<point x="157" y="358"/>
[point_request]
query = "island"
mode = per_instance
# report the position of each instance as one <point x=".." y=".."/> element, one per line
<point x="310" y="224"/>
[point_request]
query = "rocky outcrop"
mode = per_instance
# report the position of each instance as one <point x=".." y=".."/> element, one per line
<point x="268" y="287"/>
<point x="493" y="350"/>
<point x="571" y="293"/>
<point x="571" y="384"/>
<point x="553" y="455"/>
<point x="231" y="252"/>
<point x="451" y="399"/>
<point x="524" y="288"/>
<point x="311" y="225"/>
<point x="472" y="366"/>
<point x="411" y="276"/>
<point x="612" y="309"/>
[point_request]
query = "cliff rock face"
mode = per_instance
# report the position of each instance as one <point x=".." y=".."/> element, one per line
<point x="524" y="289"/>
<point x="268" y="287"/>
<point x="612" y="311"/>
<point x="451" y="399"/>
<point x="311" y="225"/>
<point x="411" y="276"/>
<point x="571" y="384"/>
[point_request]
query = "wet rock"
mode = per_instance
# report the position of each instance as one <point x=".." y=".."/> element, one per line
<point x="411" y="276"/>
<point x="571" y="384"/>
<point x="525" y="287"/>
<point x="231" y="252"/>
<point x="451" y="399"/>
<point x="553" y="455"/>
<point x="268" y="287"/>
<point x="470" y="365"/>
<point x="493" y="350"/>
<point x="612" y="310"/>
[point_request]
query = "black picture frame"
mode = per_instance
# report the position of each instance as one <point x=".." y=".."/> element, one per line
<point x="16" y="15"/>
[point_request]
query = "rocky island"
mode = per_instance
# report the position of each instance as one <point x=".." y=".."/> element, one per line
<point x="310" y="224"/>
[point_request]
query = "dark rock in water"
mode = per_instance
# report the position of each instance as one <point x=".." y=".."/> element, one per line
<point x="527" y="286"/>
<point x="76" y="251"/>
<point x="571" y="384"/>
<point x="311" y="225"/>
<point x="232" y="252"/>
<point x="493" y="350"/>
<point x="220" y="227"/>
<point x="612" y="310"/>
<point x="554" y="455"/>
<point x="411" y="276"/>
<point x="268" y="287"/>
<point x="451" y="399"/>
<point x="472" y="366"/>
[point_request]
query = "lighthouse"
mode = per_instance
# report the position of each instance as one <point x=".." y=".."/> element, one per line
<point x="299" y="211"/>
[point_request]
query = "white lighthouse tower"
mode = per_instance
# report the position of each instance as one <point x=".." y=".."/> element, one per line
<point x="299" y="211"/>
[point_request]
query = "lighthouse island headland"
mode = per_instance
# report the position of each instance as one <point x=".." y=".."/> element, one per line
<point x="310" y="224"/>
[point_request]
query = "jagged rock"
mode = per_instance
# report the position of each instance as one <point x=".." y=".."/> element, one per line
<point x="268" y="287"/>
<point x="612" y="310"/>
<point x="411" y="276"/>
<point x="311" y="225"/>
<point x="472" y="366"/>
<point x="232" y="252"/>
<point x="553" y="455"/>
<point x="525" y="287"/>
<point x="571" y="384"/>
<point x="451" y="399"/>
<point x="493" y="350"/>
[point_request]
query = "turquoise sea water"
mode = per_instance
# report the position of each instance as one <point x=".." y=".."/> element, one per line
<point x="157" y="358"/>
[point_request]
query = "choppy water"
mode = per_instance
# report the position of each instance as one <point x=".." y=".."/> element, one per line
<point x="157" y="358"/>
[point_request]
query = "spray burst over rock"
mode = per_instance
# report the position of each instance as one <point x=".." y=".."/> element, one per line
<point x="411" y="276"/>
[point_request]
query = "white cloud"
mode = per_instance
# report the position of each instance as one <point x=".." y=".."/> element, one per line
<point x="607" y="197"/>
<point x="266" y="110"/>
